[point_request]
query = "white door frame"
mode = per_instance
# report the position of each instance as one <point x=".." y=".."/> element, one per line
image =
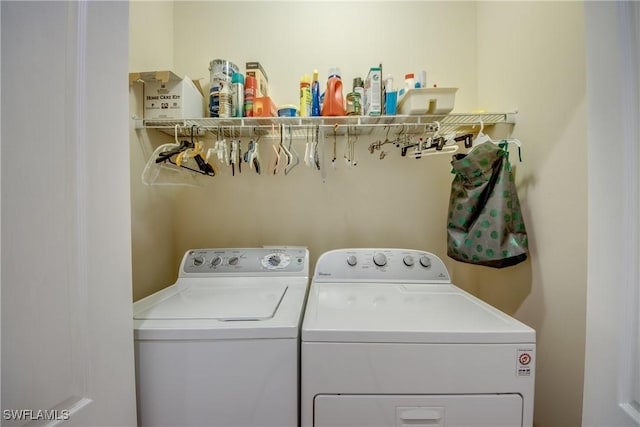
<point x="612" y="364"/>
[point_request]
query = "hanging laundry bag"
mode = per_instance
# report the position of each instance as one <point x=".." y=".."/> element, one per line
<point x="485" y="225"/>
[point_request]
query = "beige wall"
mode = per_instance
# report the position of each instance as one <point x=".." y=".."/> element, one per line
<point x="542" y="74"/>
<point x="500" y="59"/>
<point x="153" y="222"/>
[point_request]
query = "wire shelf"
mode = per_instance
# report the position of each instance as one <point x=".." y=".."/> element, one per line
<point x="353" y="125"/>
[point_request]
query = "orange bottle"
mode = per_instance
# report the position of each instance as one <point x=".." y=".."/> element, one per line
<point x="333" y="104"/>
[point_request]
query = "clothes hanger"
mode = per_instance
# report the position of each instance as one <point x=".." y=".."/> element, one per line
<point x="503" y="143"/>
<point x="185" y="150"/>
<point x="252" y="156"/>
<point x="481" y="138"/>
<point x="293" y="151"/>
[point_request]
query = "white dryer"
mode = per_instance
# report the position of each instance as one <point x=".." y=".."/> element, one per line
<point x="388" y="340"/>
<point x="220" y="347"/>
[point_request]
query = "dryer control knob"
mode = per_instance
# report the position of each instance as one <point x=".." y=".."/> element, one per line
<point x="274" y="260"/>
<point x="216" y="261"/>
<point x="425" y="261"/>
<point x="233" y="260"/>
<point x="408" y="261"/>
<point x="198" y="260"/>
<point x="380" y="259"/>
<point x="352" y="260"/>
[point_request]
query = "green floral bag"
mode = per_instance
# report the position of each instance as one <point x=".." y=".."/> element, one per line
<point x="485" y="224"/>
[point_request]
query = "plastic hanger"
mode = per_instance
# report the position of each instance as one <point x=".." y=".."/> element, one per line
<point x="292" y="151"/>
<point x="252" y="156"/>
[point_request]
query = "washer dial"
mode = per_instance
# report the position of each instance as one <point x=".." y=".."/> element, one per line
<point x="425" y="261"/>
<point x="275" y="261"/>
<point x="380" y="259"/>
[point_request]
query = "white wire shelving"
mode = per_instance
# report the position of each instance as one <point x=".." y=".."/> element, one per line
<point x="353" y="125"/>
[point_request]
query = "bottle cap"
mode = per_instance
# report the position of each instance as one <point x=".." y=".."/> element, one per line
<point x="237" y="78"/>
<point x="408" y="76"/>
<point x="357" y="82"/>
<point x="334" y="72"/>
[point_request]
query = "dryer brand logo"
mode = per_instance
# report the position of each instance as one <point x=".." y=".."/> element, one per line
<point x="525" y="357"/>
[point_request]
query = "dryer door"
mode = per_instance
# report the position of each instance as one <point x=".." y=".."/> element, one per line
<point x="490" y="410"/>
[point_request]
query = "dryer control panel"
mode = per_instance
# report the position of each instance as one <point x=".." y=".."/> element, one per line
<point x="285" y="261"/>
<point x="380" y="265"/>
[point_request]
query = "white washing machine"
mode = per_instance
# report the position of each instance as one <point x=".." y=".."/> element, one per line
<point x="388" y="340"/>
<point x="220" y="347"/>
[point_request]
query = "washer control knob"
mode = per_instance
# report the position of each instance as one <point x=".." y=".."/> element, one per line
<point x="408" y="261"/>
<point x="425" y="261"/>
<point x="216" y="261"/>
<point x="352" y="260"/>
<point x="274" y="260"/>
<point x="380" y="259"/>
<point x="198" y="260"/>
<point x="233" y="260"/>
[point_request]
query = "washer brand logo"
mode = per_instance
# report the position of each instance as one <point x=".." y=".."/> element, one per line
<point x="320" y="273"/>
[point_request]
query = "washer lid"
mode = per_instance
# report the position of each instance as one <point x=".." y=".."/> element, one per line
<point x="224" y="303"/>
<point x="406" y="313"/>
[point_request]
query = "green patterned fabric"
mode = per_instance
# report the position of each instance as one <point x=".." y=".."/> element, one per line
<point x="485" y="224"/>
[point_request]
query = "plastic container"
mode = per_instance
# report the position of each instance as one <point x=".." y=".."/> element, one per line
<point x="237" y="95"/>
<point x="305" y="96"/>
<point x="288" y="110"/>
<point x="409" y="82"/>
<point x="390" y="103"/>
<point x="249" y="95"/>
<point x="358" y="86"/>
<point x="220" y="71"/>
<point x="225" y="100"/>
<point x="315" y="95"/>
<point x="354" y="104"/>
<point x="428" y="101"/>
<point x="333" y="104"/>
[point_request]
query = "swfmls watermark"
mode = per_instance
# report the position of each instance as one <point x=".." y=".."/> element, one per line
<point x="35" y="414"/>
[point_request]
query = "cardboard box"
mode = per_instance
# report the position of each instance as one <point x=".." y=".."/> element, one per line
<point x="167" y="96"/>
<point x="264" y="107"/>
<point x="262" y="81"/>
<point x="373" y="92"/>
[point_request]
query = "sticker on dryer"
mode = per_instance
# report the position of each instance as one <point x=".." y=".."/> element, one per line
<point x="524" y="362"/>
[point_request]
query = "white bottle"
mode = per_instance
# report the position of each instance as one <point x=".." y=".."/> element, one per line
<point x="225" y="100"/>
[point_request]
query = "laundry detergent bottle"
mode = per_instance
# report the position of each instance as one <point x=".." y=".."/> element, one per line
<point x="333" y="104"/>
